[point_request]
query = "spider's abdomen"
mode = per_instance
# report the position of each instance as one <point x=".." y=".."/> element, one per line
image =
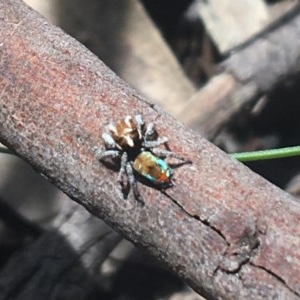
<point x="153" y="168"/>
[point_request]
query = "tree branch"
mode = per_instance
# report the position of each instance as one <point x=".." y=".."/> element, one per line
<point x="252" y="70"/>
<point x="225" y="230"/>
<point x="60" y="264"/>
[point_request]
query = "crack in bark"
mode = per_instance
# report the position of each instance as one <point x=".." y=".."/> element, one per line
<point x="196" y="217"/>
<point x="215" y="229"/>
<point x="275" y="276"/>
<point x="240" y="261"/>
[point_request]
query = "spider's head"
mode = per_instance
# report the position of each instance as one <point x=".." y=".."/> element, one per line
<point x="127" y="133"/>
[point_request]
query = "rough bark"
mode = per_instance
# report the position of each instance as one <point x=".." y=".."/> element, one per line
<point x="225" y="230"/>
<point x="123" y="35"/>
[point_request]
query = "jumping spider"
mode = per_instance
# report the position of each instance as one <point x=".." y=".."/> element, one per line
<point x="135" y="144"/>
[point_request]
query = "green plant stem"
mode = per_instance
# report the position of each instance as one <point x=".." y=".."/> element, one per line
<point x="267" y="154"/>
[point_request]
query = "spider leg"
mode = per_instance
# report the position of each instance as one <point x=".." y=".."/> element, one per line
<point x="133" y="183"/>
<point x="166" y="153"/>
<point x="140" y="124"/>
<point x="139" y="121"/>
<point x="109" y="141"/>
<point x="150" y="132"/>
<point x="124" y="159"/>
<point x="156" y="143"/>
<point x="102" y="154"/>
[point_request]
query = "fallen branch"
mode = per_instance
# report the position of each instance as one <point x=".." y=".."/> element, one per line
<point x="267" y="61"/>
<point x="60" y="264"/>
<point x="225" y="230"/>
